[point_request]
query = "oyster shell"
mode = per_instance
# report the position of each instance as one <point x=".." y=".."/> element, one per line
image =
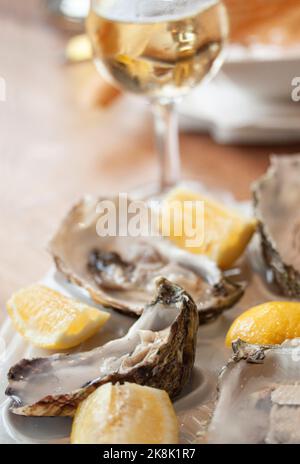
<point x="158" y="351"/>
<point x="120" y="272"/>
<point x="276" y="202"/>
<point x="259" y="396"/>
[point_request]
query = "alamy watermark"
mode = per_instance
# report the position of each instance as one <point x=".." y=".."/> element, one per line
<point x="2" y="350"/>
<point x="295" y="344"/>
<point x="137" y="218"/>
<point x="296" y="89"/>
<point x="2" y="89"/>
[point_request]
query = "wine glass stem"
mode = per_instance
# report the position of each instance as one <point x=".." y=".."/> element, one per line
<point x="167" y="143"/>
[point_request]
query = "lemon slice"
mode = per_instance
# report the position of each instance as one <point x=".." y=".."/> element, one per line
<point x="268" y="324"/>
<point x="203" y="226"/>
<point x="127" y="414"/>
<point x="50" y="320"/>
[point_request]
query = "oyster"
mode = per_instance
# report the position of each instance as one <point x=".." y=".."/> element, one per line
<point x="259" y="396"/>
<point x="120" y="271"/>
<point x="276" y="202"/>
<point x="158" y="351"/>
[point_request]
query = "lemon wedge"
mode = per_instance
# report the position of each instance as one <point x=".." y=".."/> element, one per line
<point x="212" y="229"/>
<point x="125" y="414"/>
<point x="51" y="320"/>
<point x="267" y="324"/>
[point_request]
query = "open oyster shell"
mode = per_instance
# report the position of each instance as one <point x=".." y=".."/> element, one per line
<point x="276" y="202"/>
<point x="158" y="351"/>
<point x="259" y="396"/>
<point x="120" y="271"/>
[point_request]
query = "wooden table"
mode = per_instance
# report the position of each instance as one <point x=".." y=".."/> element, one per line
<point x="54" y="147"/>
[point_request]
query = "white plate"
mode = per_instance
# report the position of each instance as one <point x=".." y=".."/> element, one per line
<point x="193" y="407"/>
<point x="250" y="101"/>
<point x="263" y="71"/>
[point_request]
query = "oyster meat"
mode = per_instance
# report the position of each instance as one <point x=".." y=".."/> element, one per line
<point x="259" y="396"/>
<point x="120" y="272"/>
<point x="276" y="202"/>
<point x="158" y="351"/>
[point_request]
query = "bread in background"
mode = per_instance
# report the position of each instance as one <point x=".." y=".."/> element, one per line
<point x="265" y="21"/>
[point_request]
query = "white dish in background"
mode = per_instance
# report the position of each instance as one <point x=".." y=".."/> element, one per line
<point x="264" y="71"/>
<point x="249" y="101"/>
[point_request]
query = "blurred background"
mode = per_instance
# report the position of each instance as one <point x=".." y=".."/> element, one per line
<point x="66" y="132"/>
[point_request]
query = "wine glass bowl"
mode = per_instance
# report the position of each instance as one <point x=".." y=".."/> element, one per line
<point x="160" y="49"/>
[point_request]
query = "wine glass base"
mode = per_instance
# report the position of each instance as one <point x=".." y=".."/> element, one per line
<point x="154" y="190"/>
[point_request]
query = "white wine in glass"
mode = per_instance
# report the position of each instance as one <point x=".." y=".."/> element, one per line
<point x="160" y="49"/>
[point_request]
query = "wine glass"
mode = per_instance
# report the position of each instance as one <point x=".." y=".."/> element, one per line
<point x="160" y="49"/>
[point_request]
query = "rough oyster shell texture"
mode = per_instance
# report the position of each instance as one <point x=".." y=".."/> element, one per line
<point x="120" y="272"/>
<point x="260" y="389"/>
<point x="158" y="351"/>
<point x="276" y="203"/>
